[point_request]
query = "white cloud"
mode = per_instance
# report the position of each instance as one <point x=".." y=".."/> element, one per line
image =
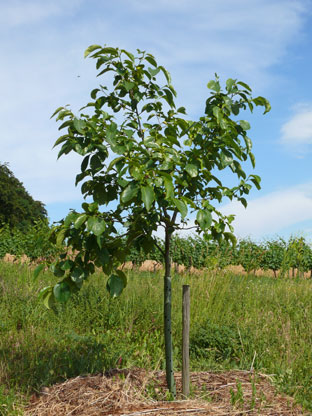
<point x="296" y="133"/>
<point x="273" y="212"/>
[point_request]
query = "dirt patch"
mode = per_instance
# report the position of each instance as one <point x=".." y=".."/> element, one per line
<point x="138" y="392"/>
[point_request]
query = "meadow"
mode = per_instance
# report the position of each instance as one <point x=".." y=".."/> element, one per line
<point x="237" y="322"/>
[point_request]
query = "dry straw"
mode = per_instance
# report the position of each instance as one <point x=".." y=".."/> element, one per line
<point x="137" y="392"/>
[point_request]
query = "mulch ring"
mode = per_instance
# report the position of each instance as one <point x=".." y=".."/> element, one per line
<point x="137" y="392"/>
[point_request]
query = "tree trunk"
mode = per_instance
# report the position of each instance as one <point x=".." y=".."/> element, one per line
<point x="167" y="317"/>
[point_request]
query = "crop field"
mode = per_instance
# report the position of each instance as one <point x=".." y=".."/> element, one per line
<point x="237" y="322"/>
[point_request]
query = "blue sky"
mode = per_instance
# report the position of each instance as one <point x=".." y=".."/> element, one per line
<point x="265" y="43"/>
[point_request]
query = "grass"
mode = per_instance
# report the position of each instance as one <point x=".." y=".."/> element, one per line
<point x="236" y="322"/>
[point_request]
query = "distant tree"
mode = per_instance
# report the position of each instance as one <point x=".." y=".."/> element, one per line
<point x="250" y="255"/>
<point x="274" y="255"/>
<point x="17" y="207"/>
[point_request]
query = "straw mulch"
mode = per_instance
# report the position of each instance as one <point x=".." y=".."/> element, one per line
<point x="137" y="392"/>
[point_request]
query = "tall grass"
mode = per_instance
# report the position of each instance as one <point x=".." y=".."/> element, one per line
<point x="236" y="322"/>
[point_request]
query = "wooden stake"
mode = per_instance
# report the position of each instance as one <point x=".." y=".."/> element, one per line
<point x="186" y="341"/>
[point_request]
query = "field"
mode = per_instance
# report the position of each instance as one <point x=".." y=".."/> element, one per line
<point x="237" y="322"/>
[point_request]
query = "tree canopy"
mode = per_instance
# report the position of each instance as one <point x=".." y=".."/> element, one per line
<point x="17" y="207"/>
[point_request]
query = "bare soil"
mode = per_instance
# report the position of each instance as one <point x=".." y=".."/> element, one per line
<point x="137" y="392"/>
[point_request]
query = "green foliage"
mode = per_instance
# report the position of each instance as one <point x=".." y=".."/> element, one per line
<point x="250" y="255"/>
<point x="274" y="255"/>
<point x="17" y="208"/>
<point x="298" y="255"/>
<point x="157" y="166"/>
<point x="33" y="241"/>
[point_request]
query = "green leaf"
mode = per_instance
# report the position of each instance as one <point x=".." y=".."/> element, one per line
<point x="122" y="276"/>
<point x="192" y="170"/>
<point x="182" y="207"/>
<point x="252" y="159"/>
<point x="229" y="84"/>
<point x="108" y="49"/>
<point x="248" y="143"/>
<point x="79" y="125"/>
<point x="93" y="207"/>
<point x="70" y="218"/>
<point x="235" y="109"/>
<point x="129" y="54"/>
<point x="225" y="160"/>
<point x="111" y="132"/>
<point x="78" y="275"/>
<point x="115" y="285"/>
<point x="214" y="85"/>
<point x="204" y="219"/>
<point x="217" y="112"/>
<point x="148" y="196"/>
<point x="169" y="187"/>
<point x="57" y="111"/>
<point x="95" y="163"/>
<point x="38" y="270"/>
<point x="128" y="85"/>
<point x="153" y="72"/>
<point x="80" y="220"/>
<point x="103" y="256"/>
<point x="129" y="192"/>
<point x="60" y="236"/>
<point x="136" y="173"/>
<point x="264" y="102"/>
<point x="166" y="73"/>
<point x="49" y="299"/>
<point x="169" y="97"/>
<point x="84" y="163"/>
<point x="151" y="60"/>
<point x="56" y="270"/>
<point x="90" y="223"/>
<point x="230" y="237"/>
<point x="114" y="162"/>
<point x="62" y="292"/>
<point x="181" y="110"/>
<point x="61" y="140"/>
<point x="247" y="87"/>
<point x="91" y="49"/>
<point x="98" y="227"/>
<point x="243" y="201"/>
<point x="94" y="93"/>
<point x="256" y="180"/>
<point x="67" y="265"/>
<point x="244" y="124"/>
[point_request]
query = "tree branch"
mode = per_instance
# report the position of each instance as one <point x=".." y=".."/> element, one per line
<point x="188" y="228"/>
<point x="160" y="249"/>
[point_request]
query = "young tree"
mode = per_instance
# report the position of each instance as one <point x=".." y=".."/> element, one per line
<point x="250" y="255"/>
<point x="149" y="167"/>
<point x="274" y="256"/>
